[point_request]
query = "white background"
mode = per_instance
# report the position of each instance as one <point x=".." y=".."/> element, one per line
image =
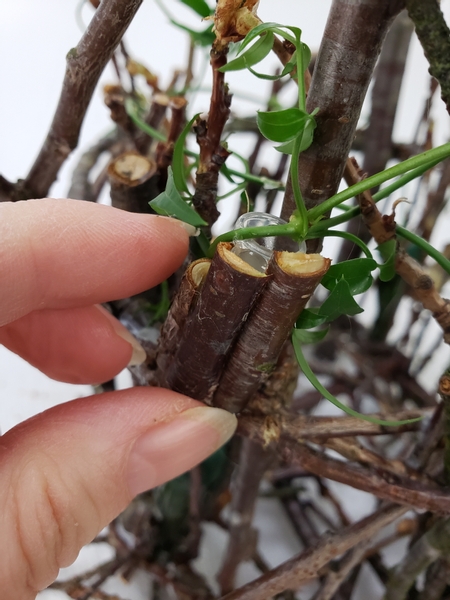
<point x="35" y="36"/>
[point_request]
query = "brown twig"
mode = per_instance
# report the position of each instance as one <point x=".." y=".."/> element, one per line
<point x="230" y="289"/>
<point x="301" y="427"/>
<point x="426" y="550"/>
<point x="81" y="188"/>
<point x="85" y="64"/>
<point x="253" y="462"/>
<point x="349" y="50"/>
<point x="212" y="153"/>
<point x="434" y="35"/>
<point x="378" y="147"/>
<point x="293" y="277"/>
<point x="382" y="484"/>
<point x="305" y="566"/>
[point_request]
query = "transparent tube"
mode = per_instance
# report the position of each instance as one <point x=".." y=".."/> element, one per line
<point x="257" y="252"/>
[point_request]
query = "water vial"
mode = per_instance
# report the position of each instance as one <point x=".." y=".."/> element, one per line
<point x="258" y="251"/>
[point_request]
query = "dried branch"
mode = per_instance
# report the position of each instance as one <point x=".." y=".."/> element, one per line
<point x="182" y="305"/>
<point x="437" y="580"/>
<point x="293" y="279"/>
<point x="305" y="566"/>
<point x="336" y="576"/>
<point x="378" y="147"/>
<point x="81" y="188"/>
<point x="154" y="118"/>
<point x="322" y="428"/>
<point x="380" y="483"/>
<point x="426" y="550"/>
<point x="212" y="153"/>
<point x="382" y="229"/>
<point x="434" y="35"/>
<point x="85" y="64"/>
<point x="230" y="289"/>
<point x="253" y="462"/>
<point x="349" y="50"/>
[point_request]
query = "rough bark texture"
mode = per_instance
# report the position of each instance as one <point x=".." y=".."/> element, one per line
<point x="182" y="306"/>
<point x="434" y="35"/>
<point x="293" y="279"/>
<point x="382" y="484"/>
<point x="209" y="132"/>
<point x="378" y="147"/>
<point x="308" y="564"/>
<point x="230" y="289"/>
<point x="85" y="64"/>
<point x="345" y="63"/>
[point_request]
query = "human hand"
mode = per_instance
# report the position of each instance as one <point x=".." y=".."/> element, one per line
<point x="66" y="473"/>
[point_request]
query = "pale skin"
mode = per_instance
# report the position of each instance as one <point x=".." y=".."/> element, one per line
<point x="66" y="473"/>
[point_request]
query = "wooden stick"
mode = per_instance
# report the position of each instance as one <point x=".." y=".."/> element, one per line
<point x="293" y="279"/>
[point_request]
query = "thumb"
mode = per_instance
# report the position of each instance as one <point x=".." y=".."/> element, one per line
<point x="66" y="473"/>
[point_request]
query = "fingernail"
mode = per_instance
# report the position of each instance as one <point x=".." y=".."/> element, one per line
<point x="138" y="354"/>
<point x="190" y="229"/>
<point x="172" y="448"/>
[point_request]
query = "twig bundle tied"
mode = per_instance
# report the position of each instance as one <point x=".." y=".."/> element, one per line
<point x="293" y="279"/>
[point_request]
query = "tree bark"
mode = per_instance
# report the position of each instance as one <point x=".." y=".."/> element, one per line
<point x="348" y="53"/>
<point x="85" y="64"/>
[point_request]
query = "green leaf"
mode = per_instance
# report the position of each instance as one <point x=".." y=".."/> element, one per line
<point x="307" y="371"/>
<point x="252" y="56"/>
<point x="282" y="125"/>
<point x="201" y="38"/>
<point x="305" y="336"/>
<point x="356" y="272"/>
<point x="179" y="176"/>
<point x="199" y="6"/>
<point x="340" y="302"/>
<point x="272" y="27"/>
<point x="170" y="204"/>
<point x="387" y="251"/>
<point x="288" y="68"/>
<point x="309" y="318"/>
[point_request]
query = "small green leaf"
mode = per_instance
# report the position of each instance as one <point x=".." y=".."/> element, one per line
<point x="252" y="56"/>
<point x="387" y="251"/>
<point x="199" y="6"/>
<point x="201" y="38"/>
<point x="305" y="336"/>
<point x="356" y="272"/>
<point x="309" y="318"/>
<point x="170" y="204"/>
<point x="307" y="371"/>
<point x="282" y="125"/>
<point x="178" y="169"/>
<point x="340" y="302"/>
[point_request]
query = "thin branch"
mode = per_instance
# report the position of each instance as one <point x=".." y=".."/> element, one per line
<point x="434" y="35"/>
<point x="383" y="484"/>
<point x="85" y="64"/>
<point x="305" y="566"/>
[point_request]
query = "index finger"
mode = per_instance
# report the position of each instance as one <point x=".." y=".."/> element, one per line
<point x="68" y="253"/>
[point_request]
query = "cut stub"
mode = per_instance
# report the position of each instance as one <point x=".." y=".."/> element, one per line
<point x="293" y="277"/>
<point x="133" y="180"/>
<point x="225" y="300"/>
<point x="182" y="305"/>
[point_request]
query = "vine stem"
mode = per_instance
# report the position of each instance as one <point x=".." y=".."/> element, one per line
<point x="425" y="246"/>
<point x="246" y="233"/>
<point x="438" y="154"/>
<point x="348" y="236"/>
<point x="299" y="202"/>
<point x="350" y="213"/>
